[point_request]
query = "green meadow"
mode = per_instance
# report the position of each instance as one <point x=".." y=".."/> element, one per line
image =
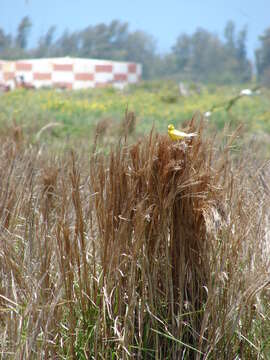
<point x="154" y="103"/>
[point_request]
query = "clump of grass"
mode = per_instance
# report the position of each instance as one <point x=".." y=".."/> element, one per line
<point x="102" y="127"/>
<point x="157" y="250"/>
<point x="151" y="205"/>
<point x="128" y="124"/>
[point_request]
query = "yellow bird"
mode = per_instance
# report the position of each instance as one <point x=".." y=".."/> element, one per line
<point x="178" y="135"/>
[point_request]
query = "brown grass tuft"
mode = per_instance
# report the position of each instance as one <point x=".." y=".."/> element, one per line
<point x="157" y="250"/>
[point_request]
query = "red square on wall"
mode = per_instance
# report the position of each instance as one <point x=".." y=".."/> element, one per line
<point x="63" y="67"/>
<point x="42" y="76"/>
<point x="9" y="76"/>
<point x="23" y="66"/>
<point x="104" y="68"/>
<point x="132" y="68"/>
<point x="84" y="77"/>
<point x="120" y="77"/>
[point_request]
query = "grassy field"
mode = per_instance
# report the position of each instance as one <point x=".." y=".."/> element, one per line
<point x="118" y="243"/>
<point x="155" y="103"/>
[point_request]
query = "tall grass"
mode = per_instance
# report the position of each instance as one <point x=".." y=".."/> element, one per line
<point x="158" y="250"/>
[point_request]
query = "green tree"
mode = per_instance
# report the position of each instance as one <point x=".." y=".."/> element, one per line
<point x="244" y="65"/>
<point x="203" y="56"/>
<point x="263" y="58"/>
<point x="183" y="52"/>
<point x="207" y="60"/>
<point x="5" y="41"/>
<point x="200" y="57"/>
<point x="104" y="41"/>
<point x="229" y="34"/>
<point x="23" y="32"/>
<point x="67" y="45"/>
<point x="115" y="41"/>
<point x="237" y="66"/>
<point x="141" y="47"/>
<point x="45" y="43"/>
<point x="241" y="51"/>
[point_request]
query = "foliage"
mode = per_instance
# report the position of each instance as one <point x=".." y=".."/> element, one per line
<point x="45" y="42"/>
<point x="23" y="32"/>
<point x="201" y="56"/>
<point x="105" y="41"/>
<point x="4" y="41"/>
<point x="263" y="58"/>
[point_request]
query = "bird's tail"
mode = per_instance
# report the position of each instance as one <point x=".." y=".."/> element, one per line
<point x="192" y="134"/>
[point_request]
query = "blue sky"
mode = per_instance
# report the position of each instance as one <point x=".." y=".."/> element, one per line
<point x="165" y="20"/>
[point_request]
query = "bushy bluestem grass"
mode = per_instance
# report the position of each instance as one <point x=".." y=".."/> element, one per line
<point x="158" y="250"/>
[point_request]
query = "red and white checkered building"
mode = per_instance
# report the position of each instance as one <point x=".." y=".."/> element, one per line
<point x="69" y="73"/>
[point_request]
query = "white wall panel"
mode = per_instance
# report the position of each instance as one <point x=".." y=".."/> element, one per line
<point x="132" y="78"/>
<point x="139" y="70"/>
<point x="63" y="60"/>
<point x="27" y="76"/>
<point x="75" y="73"/>
<point x="121" y="68"/>
<point x="63" y="76"/>
<point x="42" y="83"/>
<point x="9" y="66"/>
<point x="102" y="77"/>
<point x="42" y="66"/>
<point x="83" y="85"/>
<point x="83" y="66"/>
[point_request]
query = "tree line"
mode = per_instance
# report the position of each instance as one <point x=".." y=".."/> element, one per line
<point x="201" y="56"/>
